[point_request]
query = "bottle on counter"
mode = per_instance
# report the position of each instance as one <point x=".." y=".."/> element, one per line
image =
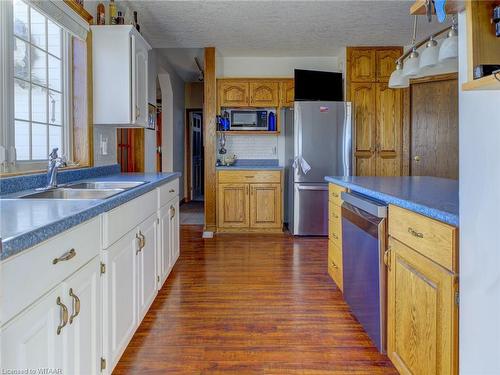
<point x="137" y="26"/>
<point x="112" y="13"/>
<point x="120" y="19"/>
<point x="101" y="14"/>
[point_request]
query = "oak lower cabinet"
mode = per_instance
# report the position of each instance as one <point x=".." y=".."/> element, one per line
<point x="249" y="201"/>
<point x="129" y="286"/>
<point x="335" y="265"/>
<point x="61" y="330"/>
<point x="422" y="316"/>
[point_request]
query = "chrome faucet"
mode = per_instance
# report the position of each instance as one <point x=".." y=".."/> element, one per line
<point x="54" y="163"/>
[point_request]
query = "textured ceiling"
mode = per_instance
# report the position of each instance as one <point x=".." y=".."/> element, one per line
<point x="277" y="28"/>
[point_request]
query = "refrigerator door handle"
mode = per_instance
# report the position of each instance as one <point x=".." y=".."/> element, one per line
<point x="313" y="187"/>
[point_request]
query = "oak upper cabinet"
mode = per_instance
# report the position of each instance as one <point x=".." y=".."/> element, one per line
<point x="120" y="76"/>
<point x="265" y="206"/>
<point x="377" y="110"/>
<point x="249" y="201"/>
<point x="287" y="93"/>
<point x="264" y="93"/>
<point x="386" y="62"/>
<point x="233" y="203"/>
<point x="234" y="93"/>
<point x="388" y="130"/>
<point x="362" y="65"/>
<point x="363" y="96"/>
<point x="422" y="314"/>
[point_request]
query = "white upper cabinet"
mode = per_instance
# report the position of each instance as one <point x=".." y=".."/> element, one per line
<point x="120" y="76"/>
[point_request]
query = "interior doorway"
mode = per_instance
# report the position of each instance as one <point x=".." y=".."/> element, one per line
<point x="158" y="127"/>
<point x="195" y="155"/>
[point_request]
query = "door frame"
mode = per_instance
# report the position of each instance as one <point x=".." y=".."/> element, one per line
<point x="407" y="116"/>
<point x="188" y="160"/>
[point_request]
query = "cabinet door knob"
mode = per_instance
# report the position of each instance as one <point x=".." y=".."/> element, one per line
<point x="66" y="256"/>
<point x="76" y="306"/>
<point x="416" y="158"/>
<point x="64" y="315"/>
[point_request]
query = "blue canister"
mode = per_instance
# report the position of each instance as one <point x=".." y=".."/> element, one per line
<point x="271" y="122"/>
<point x="226" y="124"/>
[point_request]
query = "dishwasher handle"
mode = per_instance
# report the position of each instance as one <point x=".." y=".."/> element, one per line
<point x="313" y="187"/>
<point x="374" y="208"/>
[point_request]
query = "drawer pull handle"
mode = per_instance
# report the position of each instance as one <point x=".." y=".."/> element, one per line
<point x="249" y="176"/>
<point x="334" y="265"/>
<point x="172" y="212"/>
<point x="64" y="315"/>
<point x="76" y="306"/>
<point x="335" y="195"/>
<point x="143" y="240"/>
<point x="414" y="233"/>
<point x="335" y="236"/>
<point x="66" y="256"/>
<point x="387" y="259"/>
<point x="171" y="191"/>
<point x="138" y="237"/>
<point x="335" y="216"/>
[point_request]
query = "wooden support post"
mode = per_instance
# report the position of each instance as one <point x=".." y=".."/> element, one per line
<point x="209" y="138"/>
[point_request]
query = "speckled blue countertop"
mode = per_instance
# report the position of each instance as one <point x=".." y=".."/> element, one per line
<point x="27" y="222"/>
<point x="253" y="165"/>
<point x="434" y="197"/>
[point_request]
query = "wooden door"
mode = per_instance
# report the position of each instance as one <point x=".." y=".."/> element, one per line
<point x="389" y="130"/>
<point x="265" y="206"/>
<point x="287" y="93"/>
<point x="146" y="266"/>
<point x="422" y="314"/>
<point x="119" y="296"/>
<point x="82" y="291"/>
<point x="164" y="245"/>
<point x="233" y="93"/>
<point x="363" y="99"/>
<point x="233" y="202"/>
<point x="362" y="65"/>
<point x="264" y="94"/>
<point x="386" y="62"/>
<point x="31" y="341"/>
<point x="434" y="129"/>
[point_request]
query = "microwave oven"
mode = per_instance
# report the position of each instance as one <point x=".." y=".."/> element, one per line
<point x="249" y="120"/>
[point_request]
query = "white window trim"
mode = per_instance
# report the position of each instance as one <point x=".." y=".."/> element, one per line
<point x="8" y="162"/>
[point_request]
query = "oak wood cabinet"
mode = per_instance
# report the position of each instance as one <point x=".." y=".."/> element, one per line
<point x="249" y="201"/>
<point x="335" y="266"/>
<point x="287" y="93"/>
<point x="378" y="110"/>
<point x="233" y="93"/>
<point x="264" y="94"/>
<point x="422" y="316"/>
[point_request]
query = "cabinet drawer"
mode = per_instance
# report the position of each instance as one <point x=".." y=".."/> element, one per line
<point x="334" y="193"/>
<point x="229" y="177"/>
<point x="335" y="225"/>
<point x="433" y="239"/>
<point x="335" y="264"/>
<point x="168" y="192"/>
<point x="120" y="220"/>
<point x="32" y="273"/>
<point x="334" y="213"/>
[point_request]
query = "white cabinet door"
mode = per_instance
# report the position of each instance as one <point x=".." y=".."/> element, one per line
<point x="82" y="291"/>
<point x="32" y="339"/>
<point x="119" y="296"/>
<point x="146" y="262"/>
<point x="164" y="244"/>
<point x="140" y="81"/>
<point x="174" y="232"/>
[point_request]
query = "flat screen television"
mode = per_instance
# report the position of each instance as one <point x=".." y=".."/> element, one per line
<point x="312" y="85"/>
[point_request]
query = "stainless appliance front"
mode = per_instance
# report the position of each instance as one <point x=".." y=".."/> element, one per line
<point x="364" y="271"/>
<point x="249" y="119"/>
<point x="319" y="134"/>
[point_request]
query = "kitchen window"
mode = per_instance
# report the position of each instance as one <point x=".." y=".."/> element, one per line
<point x="36" y="78"/>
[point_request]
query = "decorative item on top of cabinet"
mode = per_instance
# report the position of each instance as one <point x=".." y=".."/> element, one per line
<point x="287" y="93"/>
<point x="249" y="201"/>
<point x="378" y="110"/>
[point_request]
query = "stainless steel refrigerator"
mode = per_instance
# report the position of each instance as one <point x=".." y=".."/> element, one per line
<point x="318" y="135"/>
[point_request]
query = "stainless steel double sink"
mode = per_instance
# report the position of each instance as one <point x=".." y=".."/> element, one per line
<point x="85" y="190"/>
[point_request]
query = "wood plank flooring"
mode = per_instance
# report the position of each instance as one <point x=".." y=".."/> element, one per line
<point x="251" y="304"/>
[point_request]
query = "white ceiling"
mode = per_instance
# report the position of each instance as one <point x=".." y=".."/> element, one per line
<point x="277" y="28"/>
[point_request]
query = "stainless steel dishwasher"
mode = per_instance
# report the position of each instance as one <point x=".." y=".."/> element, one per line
<point x="365" y="277"/>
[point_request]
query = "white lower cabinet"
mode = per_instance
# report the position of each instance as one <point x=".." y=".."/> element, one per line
<point x="59" y="331"/>
<point x="168" y="239"/>
<point x="147" y="283"/>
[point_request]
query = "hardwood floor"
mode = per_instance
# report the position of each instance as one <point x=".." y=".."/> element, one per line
<point x="251" y="304"/>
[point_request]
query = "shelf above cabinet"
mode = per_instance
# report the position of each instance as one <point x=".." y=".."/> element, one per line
<point x="247" y="132"/>
<point x="485" y="83"/>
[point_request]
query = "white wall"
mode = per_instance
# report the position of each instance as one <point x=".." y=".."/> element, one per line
<point x="273" y="66"/>
<point x="479" y="121"/>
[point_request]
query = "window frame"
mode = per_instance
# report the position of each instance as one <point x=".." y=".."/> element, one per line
<point x="8" y="162"/>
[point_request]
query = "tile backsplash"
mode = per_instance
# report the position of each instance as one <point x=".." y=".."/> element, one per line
<point x="251" y="147"/>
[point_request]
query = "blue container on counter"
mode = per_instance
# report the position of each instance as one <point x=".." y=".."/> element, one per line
<point x="271" y="122"/>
